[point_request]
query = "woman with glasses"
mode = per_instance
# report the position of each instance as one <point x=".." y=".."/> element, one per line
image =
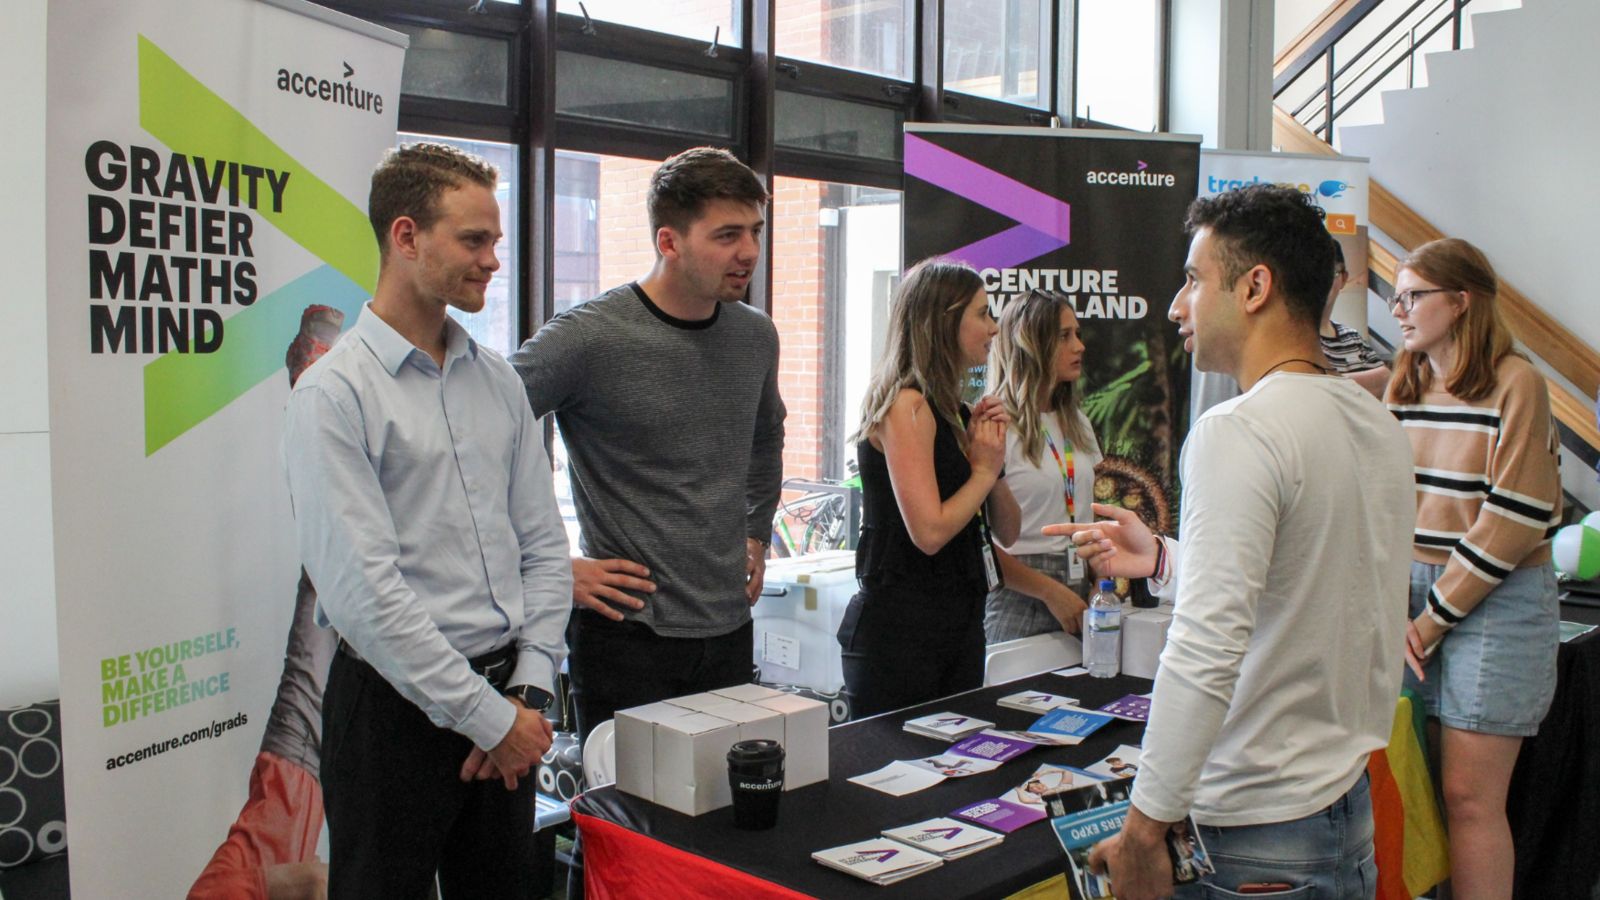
<point x="1051" y="456"/>
<point x="1482" y="641"/>
<point x="931" y="490"/>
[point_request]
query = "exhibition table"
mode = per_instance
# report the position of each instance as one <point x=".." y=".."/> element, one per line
<point x="1554" y="804"/>
<point x="635" y="848"/>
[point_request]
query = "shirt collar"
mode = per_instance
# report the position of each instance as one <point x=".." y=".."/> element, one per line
<point x="392" y="349"/>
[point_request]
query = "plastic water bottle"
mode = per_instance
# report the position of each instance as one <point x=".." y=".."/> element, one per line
<point x="1102" y="632"/>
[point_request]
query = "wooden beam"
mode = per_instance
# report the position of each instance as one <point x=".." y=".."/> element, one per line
<point x="1576" y="414"/>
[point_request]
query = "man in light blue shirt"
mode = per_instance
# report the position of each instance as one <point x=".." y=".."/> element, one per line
<point x="426" y="520"/>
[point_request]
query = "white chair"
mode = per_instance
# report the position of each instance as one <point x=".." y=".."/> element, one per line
<point x="1009" y="660"/>
<point x="600" y="755"/>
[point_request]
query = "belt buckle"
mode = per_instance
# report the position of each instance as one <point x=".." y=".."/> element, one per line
<point x="492" y="670"/>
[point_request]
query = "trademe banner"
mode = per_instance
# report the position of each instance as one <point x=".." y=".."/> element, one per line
<point x="1098" y="216"/>
<point x="1339" y="186"/>
<point x="208" y="164"/>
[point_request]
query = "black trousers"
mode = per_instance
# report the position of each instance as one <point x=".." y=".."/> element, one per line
<point x="898" y="650"/>
<point x="397" y="809"/>
<point x="618" y="665"/>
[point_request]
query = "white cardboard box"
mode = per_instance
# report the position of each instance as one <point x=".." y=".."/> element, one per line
<point x="691" y="765"/>
<point x="805" y="739"/>
<point x="1144" y="636"/>
<point x="699" y="702"/>
<point x="755" y="722"/>
<point x="747" y="693"/>
<point x="678" y="757"/>
<point x="635" y="743"/>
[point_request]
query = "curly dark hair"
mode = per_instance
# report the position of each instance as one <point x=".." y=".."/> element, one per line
<point x="1275" y="226"/>
<point x="681" y="186"/>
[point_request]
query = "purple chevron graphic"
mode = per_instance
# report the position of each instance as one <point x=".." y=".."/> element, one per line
<point x="1044" y="223"/>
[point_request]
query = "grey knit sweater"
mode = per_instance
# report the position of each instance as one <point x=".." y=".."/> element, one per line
<point x="674" y="430"/>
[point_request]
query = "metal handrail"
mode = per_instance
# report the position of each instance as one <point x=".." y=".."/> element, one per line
<point x="1364" y="60"/>
<point x="1409" y="56"/>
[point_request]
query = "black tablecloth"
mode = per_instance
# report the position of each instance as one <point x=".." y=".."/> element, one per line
<point x="838" y="812"/>
<point x="1554" y="806"/>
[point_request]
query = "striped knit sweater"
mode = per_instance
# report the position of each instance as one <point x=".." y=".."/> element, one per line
<point x="1488" y="485"/>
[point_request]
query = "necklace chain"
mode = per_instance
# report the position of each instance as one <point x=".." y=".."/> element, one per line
<point x="1321" y="369"/>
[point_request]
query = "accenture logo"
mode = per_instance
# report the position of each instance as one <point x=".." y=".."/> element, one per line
<point x="1140" y="177"/>
<point x="338" y="91"/>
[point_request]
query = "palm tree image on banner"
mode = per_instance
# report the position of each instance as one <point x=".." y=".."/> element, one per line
<point x="1096" y="217"/>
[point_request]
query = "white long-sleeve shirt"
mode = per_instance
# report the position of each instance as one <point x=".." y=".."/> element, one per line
<point x="1282" y="664"/>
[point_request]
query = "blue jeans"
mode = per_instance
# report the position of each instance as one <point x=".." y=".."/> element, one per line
<point x="1327" y="855"/>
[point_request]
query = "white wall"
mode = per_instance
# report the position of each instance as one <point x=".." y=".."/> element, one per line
<point x="28" y="664"/>
<point x="1499" y="149"/>
<point x="1290" y="17"/>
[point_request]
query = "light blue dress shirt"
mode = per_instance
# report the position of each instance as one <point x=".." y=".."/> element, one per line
<point x="427" y="521"/>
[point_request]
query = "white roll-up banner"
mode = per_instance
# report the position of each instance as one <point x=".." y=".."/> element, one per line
<point x="207" y="176"/>
<point x="1337" y="183"/>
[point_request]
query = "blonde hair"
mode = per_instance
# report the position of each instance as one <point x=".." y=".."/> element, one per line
<point x="1480" y="334"/>
<point x="923" y="351"/>
<point x="1025" y="369"/>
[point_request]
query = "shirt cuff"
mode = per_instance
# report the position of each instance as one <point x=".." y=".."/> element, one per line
<point x="1439" y="620"/>
<point x="488" y="724"/>
<point x="534" y="668"/>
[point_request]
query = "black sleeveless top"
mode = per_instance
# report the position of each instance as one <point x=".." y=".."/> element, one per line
<point x="887" y="562"/>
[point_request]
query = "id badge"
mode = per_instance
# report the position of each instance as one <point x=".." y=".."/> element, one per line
<point x="991" y="565"/>
<point x="1074" y="564"/>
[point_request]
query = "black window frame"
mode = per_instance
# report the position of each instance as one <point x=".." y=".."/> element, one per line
<point x="536" y="32"/>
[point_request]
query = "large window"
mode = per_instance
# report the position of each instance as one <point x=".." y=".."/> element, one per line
<point x="992" y="49"/>
<point x="602" y="240"/>
<point x="864" y="35"/>
<point x="836" y="254"/>
<point x="702" y="19"/>
<point x="497" y="326"/>
<point x="1119" y="62"/>
<point x="614" y="86"/>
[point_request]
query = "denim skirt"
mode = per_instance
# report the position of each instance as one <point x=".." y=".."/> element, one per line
<point x="1495" y="673"/>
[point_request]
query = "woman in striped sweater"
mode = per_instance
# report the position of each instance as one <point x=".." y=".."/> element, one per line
<point x="1483" y="636"/>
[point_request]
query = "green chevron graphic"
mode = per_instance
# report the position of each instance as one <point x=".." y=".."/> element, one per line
<point x="182" y="390"/>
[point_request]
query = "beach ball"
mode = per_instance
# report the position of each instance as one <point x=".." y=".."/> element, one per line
<point x="1577" y="550"/>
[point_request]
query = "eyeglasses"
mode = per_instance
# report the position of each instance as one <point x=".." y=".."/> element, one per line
<point x="1406" y="301"/>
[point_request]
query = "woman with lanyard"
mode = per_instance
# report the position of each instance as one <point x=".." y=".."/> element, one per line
<point x="931" y="490"/>
<point x="1484" y="629"/>
<point x="1051" y="455"/>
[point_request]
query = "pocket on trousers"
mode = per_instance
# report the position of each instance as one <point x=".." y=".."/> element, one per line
<point x="1303" y="892"/>
<point x="346" y="714"/>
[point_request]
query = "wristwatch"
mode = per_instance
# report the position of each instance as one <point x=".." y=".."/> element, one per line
<point x="536" y="699"/>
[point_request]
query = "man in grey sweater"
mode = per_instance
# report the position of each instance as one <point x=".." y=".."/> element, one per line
<point x="666" y="393"/>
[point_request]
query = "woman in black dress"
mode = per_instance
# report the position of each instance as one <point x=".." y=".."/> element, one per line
<point x="931" y="490"/>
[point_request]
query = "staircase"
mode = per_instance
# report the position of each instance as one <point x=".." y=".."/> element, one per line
<point x="1498" y="147"/>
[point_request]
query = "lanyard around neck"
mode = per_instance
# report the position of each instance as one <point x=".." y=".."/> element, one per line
<point x="1068" y="474"/>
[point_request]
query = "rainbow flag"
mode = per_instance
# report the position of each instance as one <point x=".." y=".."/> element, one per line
<point x="1413" y="852"/>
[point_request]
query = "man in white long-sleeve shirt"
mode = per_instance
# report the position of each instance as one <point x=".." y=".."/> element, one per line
<point x="1282" y="665"/>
